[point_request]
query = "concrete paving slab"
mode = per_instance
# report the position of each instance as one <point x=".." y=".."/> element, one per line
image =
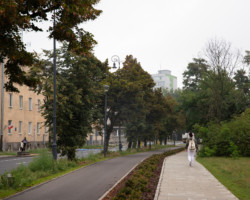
<point x="179" y="181"/>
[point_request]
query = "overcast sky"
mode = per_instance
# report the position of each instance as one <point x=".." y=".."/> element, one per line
<point x="162" y="34"/>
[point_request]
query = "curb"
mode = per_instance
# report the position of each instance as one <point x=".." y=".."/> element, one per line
<point x="157" y="192"/>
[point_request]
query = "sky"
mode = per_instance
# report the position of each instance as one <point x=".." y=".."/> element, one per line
<point x="161" y="34"/>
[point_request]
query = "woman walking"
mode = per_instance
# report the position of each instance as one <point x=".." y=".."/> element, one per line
<point x="191" y="147"/>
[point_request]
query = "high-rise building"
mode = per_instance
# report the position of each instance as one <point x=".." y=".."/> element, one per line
<point x="165" y="80"/>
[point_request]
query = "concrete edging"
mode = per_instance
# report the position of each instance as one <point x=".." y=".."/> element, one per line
<point x="157" y="192"/>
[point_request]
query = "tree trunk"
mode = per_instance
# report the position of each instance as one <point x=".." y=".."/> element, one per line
<point x="139" y="144"/>
<point x="134" y="144"/>
<point x="129" y="144"/>
<point x="145" y="143"/>
<point x="165" y="141"/>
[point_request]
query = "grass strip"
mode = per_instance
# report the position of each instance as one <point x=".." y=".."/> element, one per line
<point x="233" y="173"/>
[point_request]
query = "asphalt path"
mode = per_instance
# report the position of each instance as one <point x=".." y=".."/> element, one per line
<point x="87" y="183"/>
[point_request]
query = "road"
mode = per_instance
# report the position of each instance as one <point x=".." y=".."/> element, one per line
<point x="12" y="162"/>
<point x="88" y="183"/>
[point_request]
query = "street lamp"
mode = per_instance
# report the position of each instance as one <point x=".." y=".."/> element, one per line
<point x="106" y="87"/>
<point x="54" y="146"/>
<point x="115" y="59"/>
<point x="2" y="106"/>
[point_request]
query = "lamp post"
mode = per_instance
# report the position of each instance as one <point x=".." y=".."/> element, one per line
<point x="54" y="146"/>
<point x="2" y="107"/>
<point x="106" y="87"/>
<point x="115" y="59"/>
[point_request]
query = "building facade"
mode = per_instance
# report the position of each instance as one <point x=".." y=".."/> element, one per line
<point x="21" y="117"/>
<point x="165" y="80"/>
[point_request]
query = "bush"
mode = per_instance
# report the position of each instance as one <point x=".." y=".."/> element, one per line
<point x="44" y="162"/>
<point x="227" y="138"/>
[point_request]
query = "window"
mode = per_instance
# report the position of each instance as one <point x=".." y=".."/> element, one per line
<point x="38" y="127"/>
<point x="38" y="105"/>
<point x="161" y="83"/>
<point x="10" y="126"/>
<point x="30" y="103"/>
<point x="10" y="100"/>
<point x="30" y="128"/>
<point x="20" y="127"/>
<point x="21" y="102"/>
<point x="46" y="129"/>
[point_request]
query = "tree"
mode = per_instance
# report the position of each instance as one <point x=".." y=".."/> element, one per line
<point x="17" y="16"/>
<point x="242" y="91"/>
<point x="79" y="92"/>
<point x="221" y="57"/>
<point x="128" y="88"/>
<point x="194" y="74"/>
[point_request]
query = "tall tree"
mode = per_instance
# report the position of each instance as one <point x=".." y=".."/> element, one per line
<point x="79" y="91"/>
<point x="128" y="89"/>
<point x="17" y="16"/>
<point x="194" y="74"/>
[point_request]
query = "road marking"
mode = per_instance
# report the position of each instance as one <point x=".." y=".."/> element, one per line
<point x="12" y="159"/>
<point x="21" y="163"/>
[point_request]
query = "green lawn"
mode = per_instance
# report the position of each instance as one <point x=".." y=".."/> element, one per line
<point x="233" y="173"/>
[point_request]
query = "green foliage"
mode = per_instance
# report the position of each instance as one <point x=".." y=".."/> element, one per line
<point x="41" y="166"/>
<point x="211" y="91"/>
<point x="207" y="152"/>
<point x="17" y="16"/>
<point x="44" y="162"/>
<point x="228" y="138"/>
<point x="79" y="95"/>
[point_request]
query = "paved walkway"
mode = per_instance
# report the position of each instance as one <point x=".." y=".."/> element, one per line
<point x="179" y="181"/>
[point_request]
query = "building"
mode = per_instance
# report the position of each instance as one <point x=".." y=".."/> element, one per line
<point x="21" y="117"/>
<point x="165" y="80"/>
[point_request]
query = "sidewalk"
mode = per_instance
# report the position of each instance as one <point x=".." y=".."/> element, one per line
<point x="179" y="181"/>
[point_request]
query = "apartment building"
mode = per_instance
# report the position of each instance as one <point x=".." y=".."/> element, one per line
<point x="21" y="117"/>
<point x="165" y="80"/>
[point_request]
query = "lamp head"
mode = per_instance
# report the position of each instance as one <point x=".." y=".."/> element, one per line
<point x="114" y="66"/>
<point x="106" y="87"/>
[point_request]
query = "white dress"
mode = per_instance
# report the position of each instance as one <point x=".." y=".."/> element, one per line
<point x="191" y="154"/>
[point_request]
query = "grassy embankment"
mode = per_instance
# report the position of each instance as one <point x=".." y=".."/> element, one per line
<point x="43" y="168"/>
<point x="233" y="173"/>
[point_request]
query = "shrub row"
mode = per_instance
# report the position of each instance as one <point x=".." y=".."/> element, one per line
<point x="136" y="185"/>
